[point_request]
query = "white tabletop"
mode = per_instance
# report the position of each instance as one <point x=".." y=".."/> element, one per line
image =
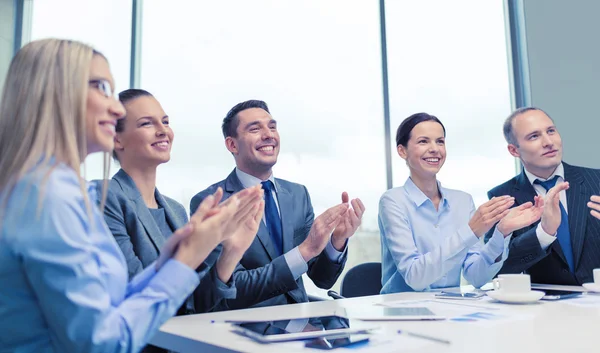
<point x="546" y="326"/>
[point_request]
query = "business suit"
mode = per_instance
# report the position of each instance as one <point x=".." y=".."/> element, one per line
<point x="550" y="265"/>
<point x="263" y="277"/>
<point x="140" y="239"/>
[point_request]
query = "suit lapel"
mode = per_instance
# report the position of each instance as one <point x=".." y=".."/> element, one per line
<point x="149" y="223"/>
<point x="577" y="195"/>
<point x="174" y="221"/>
<point x="233" y="185"/>
<point x="141" y="210"/>
<point x="286" y="208"/>
<point x="525" y="192"/>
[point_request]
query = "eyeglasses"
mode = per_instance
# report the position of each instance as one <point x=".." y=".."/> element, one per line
<point x="104" y="87"/>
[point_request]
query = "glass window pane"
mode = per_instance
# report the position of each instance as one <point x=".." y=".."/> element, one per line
<point x="317" y="65"/>
<point x="105" y="25"/>
<point x="445" y="61"/>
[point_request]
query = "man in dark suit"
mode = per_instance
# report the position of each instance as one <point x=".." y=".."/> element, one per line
<point x="563" y="247"/>
<point x="290" y="241"/>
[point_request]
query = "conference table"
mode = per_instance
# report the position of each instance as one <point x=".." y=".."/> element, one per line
<point x="570" y="325"/>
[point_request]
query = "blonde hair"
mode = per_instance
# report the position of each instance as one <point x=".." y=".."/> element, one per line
<point x="43" y="111"/>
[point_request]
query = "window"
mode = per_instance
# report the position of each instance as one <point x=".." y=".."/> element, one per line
<point x="445" y="61"/>
<point x="316" y="64"/>
<point x="105" y="25"/>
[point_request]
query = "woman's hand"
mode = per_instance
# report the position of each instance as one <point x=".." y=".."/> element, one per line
<point x="248" y="200"/>
<point x="235" y="246"/>
<point x="521" y="216"/>
<point x="490" y="213"/>
<point x="208" y="225"/>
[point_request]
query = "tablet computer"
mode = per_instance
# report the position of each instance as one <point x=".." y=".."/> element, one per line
<point x="382" y="313"/>
<point x="300" y="329"/>
<point x="552" y="294"/>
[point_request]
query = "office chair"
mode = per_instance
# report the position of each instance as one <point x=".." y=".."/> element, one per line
<point x="361" y="280"/>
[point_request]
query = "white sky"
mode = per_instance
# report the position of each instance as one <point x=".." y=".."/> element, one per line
<point x="317" y="64"/>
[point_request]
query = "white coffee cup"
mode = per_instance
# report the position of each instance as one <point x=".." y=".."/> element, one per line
<point x="515" y="283"/>
<point x="597" y="276"/>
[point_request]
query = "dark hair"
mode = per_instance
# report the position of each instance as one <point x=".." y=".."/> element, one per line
<point x="404" y="130"/>
<point x="231" y="121"/>
<point x="509" y="135"/>
<point x="124" y="97"/>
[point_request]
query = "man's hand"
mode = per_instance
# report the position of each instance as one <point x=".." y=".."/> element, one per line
<point x="594" y="204"/>
<point x="521" y="216"/>
<point x="320" y="232"/>
<point x="551" y="216"/>
<point x="349" y="224"/>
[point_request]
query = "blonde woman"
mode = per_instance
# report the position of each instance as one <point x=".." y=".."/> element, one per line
<point x="64" y="279"/>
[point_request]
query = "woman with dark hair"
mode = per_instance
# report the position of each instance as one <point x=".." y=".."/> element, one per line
<point x="428" y="232"/>
<point x="141" y="219"/>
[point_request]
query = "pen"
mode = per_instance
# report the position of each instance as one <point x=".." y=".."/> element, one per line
<point x="426" y="337"/>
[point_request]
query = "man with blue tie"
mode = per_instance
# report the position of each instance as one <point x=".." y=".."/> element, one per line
<point x="564" y="246"/>
<point x="290" y="241"/>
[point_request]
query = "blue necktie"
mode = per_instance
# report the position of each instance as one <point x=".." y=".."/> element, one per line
<point x="272" y="217"/>
<point x="563" y="235"/>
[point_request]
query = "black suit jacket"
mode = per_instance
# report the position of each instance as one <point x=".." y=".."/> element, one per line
<point x="263" y="278"/>
<point x="549" y="266"/>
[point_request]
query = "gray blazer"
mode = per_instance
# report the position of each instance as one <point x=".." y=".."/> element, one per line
<point x="140" y="239"/>
<point x="262" y="278"/>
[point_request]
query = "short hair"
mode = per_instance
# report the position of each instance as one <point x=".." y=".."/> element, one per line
<point x="509" y="135"/>
<point x="231" y="121"/>
<point x="406" y="127"/>
<point x="124" y="97"/>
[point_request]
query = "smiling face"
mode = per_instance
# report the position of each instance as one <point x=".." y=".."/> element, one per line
<point x="146" y="138"/>
<point x="102" y="109"/>
<point x="539" y="143"/>
<point x="425" y="151"/>
<point x="256" y="146"/>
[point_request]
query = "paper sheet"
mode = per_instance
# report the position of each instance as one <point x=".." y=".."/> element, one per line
<point x="588" y="301"/>
<point x="391" y="343"/>
<point x="481" y="311"/>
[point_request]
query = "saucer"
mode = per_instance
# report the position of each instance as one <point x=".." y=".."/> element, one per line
<point x="517" y="298"/>
<point x="592" y="287"/>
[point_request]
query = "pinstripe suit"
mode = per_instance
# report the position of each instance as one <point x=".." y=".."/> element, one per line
<point x="549" y="266"/>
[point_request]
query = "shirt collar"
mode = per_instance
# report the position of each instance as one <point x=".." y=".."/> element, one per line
<point x="560" y="171"/>
<point x="418" y="197"/>
<point x="248" y="180"/>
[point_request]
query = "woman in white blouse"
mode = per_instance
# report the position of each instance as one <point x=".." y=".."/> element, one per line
<point x="430" y="233"/>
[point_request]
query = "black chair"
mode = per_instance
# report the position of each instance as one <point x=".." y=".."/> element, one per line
<point x="361" y="280"/>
